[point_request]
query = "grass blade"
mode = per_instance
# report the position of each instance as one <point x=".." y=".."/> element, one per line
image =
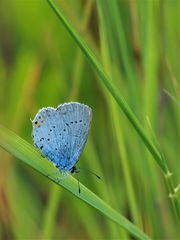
<point x="110" y="86"/>
<point x="121" y="102"/>
<point x="29" y="154"/>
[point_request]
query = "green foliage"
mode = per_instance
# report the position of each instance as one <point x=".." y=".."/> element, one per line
<point x="132" y="48"/>
<point x="27" y="153"/>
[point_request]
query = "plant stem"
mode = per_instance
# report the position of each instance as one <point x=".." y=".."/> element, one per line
<point x="120" y="100"/>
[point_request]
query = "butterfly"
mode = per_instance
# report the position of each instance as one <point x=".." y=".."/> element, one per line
<point x="61" y="133"/>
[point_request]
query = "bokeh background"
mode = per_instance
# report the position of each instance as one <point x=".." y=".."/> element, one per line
<point x="137" y="42"/>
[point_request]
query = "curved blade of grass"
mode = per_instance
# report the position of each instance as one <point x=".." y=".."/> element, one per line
<point x="30" y="155"/>
<point x="121" y="102"/>
<point x="110" y="86"/>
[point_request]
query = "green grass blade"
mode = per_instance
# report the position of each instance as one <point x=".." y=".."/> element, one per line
<point x="117" y="122"/>
<point x="111" y="87"/>
<point x="29" y="154"/>
<point x="106" y="80"/>
<point x="48" y="226"/>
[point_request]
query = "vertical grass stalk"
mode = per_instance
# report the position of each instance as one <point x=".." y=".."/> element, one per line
<point x="120" y="100"/>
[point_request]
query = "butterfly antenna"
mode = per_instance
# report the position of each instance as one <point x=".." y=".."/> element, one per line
<point x="90" y="172"/>
<point x="78" y="183"/>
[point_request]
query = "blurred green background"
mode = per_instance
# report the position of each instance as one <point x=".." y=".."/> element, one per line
<point x="137" y="41"/>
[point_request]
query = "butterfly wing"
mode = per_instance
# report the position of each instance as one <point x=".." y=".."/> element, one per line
<point x="77" y="118"/>
<point x="46" y="134"/>
<point x="60" y="134"/>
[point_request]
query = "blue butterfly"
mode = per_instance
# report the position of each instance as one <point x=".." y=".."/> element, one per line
<point x="61" y="133"/>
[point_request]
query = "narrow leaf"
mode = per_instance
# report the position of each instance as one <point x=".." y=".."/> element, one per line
<point x="27" y="153"/>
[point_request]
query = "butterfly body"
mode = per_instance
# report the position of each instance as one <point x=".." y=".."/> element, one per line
<point x="61" y="133"/>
